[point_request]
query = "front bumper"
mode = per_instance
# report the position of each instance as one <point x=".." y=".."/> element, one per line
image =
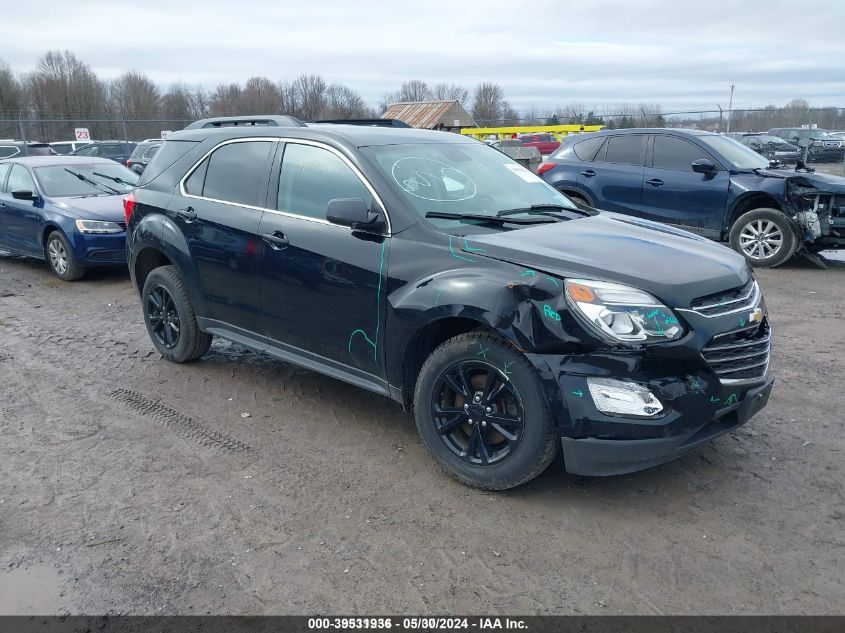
<point x="100" y="250"/>
<point x="598" y="457"/>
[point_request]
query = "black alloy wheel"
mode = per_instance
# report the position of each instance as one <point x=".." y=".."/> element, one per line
<point x="477" y="412"/>
<point x="163" y="317"/>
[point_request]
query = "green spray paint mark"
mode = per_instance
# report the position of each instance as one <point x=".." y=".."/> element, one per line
<point x="697" y="385"/>
<point x="483" y="352"/>
<point x="470" y="248"/>
<point x="437" y="298"/>
<point x="549" y="312"/>
<point x="507" y="366"/>
<point x="732" y="399"/>
<point x="455" y="255"/>
<point x="654" y="314"/>
<point x="741" y="321"/>
<point x="529" y="273"/>
<point x="578" y="393"/>
<point x="553" y="280"/>
<point x="714" y="399"/>
<point x="373" y="344"/>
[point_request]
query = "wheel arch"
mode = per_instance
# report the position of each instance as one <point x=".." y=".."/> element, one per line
<point x="146" y="261"/>
<point x="749" y="202"/>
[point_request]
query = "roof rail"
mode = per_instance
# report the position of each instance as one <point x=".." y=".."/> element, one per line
<point x="378" y="122"/>
<point x="270" y="120"/>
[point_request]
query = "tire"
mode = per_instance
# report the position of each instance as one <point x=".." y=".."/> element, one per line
<point x="506" y="461"/>
<point x="771" y="225"/>
<point x="60" y="257"/>
<point x="577" y="198"/>
<point x="173" y="325"/>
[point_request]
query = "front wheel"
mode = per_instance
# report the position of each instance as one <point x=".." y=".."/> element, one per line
<point x="765" y="237"/>
<point x="481" y="413"/>
<point x="61" y="259"/>
<point x="170" y="318"/>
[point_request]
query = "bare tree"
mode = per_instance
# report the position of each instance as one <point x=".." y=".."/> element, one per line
<point x="63" y="85"/>
<point x="12" y="94"/>
<point x="451" y="92"/>
<point x="309" y="93"/>
<point x="489" y="103"/>
<point x="133" y="95"/>
<point x="260" y="96"/>
<point x="225" y="100"/>
<point x="343" y="103"/>
<point x="414" y="90"/>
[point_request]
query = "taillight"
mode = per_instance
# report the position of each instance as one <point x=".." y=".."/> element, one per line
<point x="544" y="167"/>
<point x="128" y="162"/>
<point x="128" y="206"/>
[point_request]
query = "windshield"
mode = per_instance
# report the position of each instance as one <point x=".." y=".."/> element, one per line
<point x="73" y="179"/>
<point x="739" y="156"/>
<point x="465" y="178"/>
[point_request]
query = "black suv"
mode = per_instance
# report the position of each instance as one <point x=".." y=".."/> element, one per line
<point x="143" y="154"/>
<point x="118" y="151"/>
<point x="434" y="270"/>
<point x="819" y="145"/>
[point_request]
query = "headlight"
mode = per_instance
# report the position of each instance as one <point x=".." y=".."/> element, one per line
<point x="96" y="226"/>
<point x="622" y="313"/>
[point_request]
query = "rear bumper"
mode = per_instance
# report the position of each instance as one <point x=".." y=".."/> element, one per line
<point x="599" y="457"/>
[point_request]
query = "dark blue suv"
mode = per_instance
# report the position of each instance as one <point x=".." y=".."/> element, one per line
<point x="706" y="183"/>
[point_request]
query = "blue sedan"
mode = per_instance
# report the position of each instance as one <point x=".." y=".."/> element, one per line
<point x="67" y="210"/>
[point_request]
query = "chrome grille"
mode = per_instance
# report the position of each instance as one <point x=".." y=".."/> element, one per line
<point x="734" y="300"/>
<point x="741" y="354"/>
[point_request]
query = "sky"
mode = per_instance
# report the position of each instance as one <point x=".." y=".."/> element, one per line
<point x="683" y="55"/>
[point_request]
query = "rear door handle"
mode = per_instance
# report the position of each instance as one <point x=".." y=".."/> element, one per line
<point x="589" y="173"/>
<point x="277" y="240"/>
<point x="655" y="182"/>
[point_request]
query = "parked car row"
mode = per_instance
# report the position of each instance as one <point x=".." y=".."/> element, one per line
<point x="133" y="155"/>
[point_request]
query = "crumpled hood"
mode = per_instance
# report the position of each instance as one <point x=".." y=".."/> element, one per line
<point x="106" y="208"/>
<point x="826" y="183"/>
<point x="674" y="265"/>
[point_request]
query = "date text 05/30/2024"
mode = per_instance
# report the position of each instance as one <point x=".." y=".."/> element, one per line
<point x="415" y="624"/>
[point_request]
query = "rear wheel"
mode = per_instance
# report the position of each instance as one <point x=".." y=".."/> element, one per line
<point x="170" y="318"/>
<point x="61" y="259"/>
<point x="481" y="412"/>
<point x="765" y="237"/>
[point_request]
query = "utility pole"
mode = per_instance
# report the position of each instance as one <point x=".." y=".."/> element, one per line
<point x="720" y="117"/>
<point x="730" y="107"/>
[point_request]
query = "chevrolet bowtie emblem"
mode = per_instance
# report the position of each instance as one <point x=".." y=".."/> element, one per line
<point x="756" y="316"/>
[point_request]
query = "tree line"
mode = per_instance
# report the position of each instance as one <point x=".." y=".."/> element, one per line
<point x="64" y="87"/>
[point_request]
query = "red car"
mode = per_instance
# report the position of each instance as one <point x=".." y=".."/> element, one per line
<point x="546" y="143"/>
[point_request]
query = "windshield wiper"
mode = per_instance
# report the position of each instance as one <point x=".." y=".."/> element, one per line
<point x="540" y="209"/>
<point x="545" y="219"/>
<point x="93" y="183"/>
<point x="119" y="181"/>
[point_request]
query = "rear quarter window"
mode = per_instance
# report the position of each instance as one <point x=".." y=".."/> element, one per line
<point x="586" y="149"/>
<point x="167" y="154"/>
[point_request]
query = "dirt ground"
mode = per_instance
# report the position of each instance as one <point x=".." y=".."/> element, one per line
<point x="241" y="484"/>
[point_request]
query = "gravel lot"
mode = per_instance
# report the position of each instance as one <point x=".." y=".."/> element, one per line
<point x="241" y="484"/>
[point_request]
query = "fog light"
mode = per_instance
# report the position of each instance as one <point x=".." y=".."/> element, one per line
<point x="623" y="398"/>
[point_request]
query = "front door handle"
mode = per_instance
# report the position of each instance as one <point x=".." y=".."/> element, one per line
<point x="188" y="214"/>
<point x="589" y="173"/>
<point x="277" y="240"/>
<point x="655" y="182"/>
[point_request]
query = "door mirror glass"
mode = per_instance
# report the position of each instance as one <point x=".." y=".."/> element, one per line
<point x="24" y="194"/>
<point x="354" y="213"/>
<point x="703" y="166"/>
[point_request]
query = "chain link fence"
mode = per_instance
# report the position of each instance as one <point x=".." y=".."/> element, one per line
<point x="49" y="130"/>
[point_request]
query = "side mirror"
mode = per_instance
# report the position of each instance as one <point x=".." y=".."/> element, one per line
<point x="24" y="194"/>
<point x="703" y="166"/>
<point x="354" y="213"/>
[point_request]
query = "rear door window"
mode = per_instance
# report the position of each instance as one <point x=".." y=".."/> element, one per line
<point x="91" y="150"/>
<point x="586" y="149"/>
<point x="625" y="149"/>
<point x="671" y="152"/>
<point x="236" y="172"/>
<point x="7" y="151"/>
